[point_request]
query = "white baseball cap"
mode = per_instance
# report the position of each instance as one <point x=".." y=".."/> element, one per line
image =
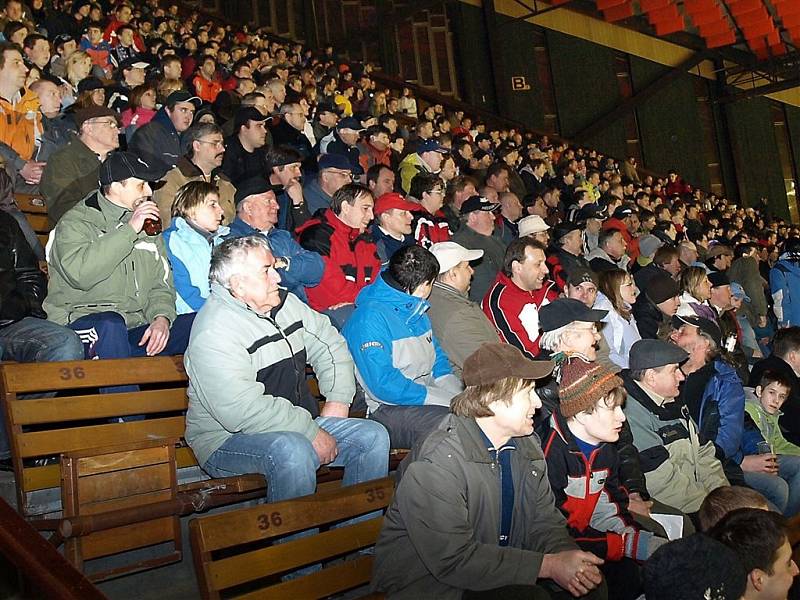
<point x="450" y="254"/>
<point x="532" y="224"/>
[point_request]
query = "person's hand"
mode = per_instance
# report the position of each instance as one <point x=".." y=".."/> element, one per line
<point x="325" y="446"/>
<point x="760" y="463"/>
<point x="145" y="210"/>
<point x="156" y="336"/>
<point x="639" y="506"/>
<point x="574" y="570"/>
<point x="295" y="191"/>
<point x="335" y="409"/>
<point x="32" y="172"/>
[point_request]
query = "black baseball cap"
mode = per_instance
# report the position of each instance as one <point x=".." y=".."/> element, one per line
<point x="661" y="288"/>
<point x="718" y="279"/>
<point x="182" y="96"/>
<point x="88" y="84"/>
<point x="119" y="166"/>
<point x="707" y="326"/>
<point x="591" y="211"/>
<point x="253" y="187"/>
<point x="651" y="354"/>
<point x="474" y="203"/>
<point x="248" y="113"/>
<point x="564" y="228"/>
<point x="563" y="311"/>
<point x="580" y="275"/>
<point x="623" y="211"/>
<point x="330" y="107"/>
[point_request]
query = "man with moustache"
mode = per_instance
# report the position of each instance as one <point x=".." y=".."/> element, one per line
<point x="205" y="149"/>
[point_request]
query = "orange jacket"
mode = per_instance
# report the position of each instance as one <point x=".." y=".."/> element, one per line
<point x="206" y="90"/>
<point x="20" y="123"/>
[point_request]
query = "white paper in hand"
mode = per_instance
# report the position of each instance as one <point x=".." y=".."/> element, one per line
<point x="672" y="524"/>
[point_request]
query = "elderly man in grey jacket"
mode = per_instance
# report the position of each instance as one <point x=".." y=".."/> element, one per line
<point x="250" y="410"/>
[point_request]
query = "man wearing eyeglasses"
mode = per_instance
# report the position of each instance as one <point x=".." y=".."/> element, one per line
<point x="289" y="132"/>
<point x="205" y="150"/>
<point x="71" y="172"/>
<point x="159" y="142"/>
<point x="334" y="172"/>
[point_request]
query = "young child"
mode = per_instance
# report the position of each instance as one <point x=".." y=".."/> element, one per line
<point x="771" y="463"/>
<point x="583" y="467"/>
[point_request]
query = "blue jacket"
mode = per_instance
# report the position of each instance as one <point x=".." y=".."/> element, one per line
<point x="305" y="267"/>
<point x="784" y="283"/>
<point x="190" y="255"/>
<point x="398" y="360"/>
<point x="721" y="415"/>
<point x="388" y="245"/>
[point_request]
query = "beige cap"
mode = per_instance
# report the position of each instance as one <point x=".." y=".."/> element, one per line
<point x="450" y="254"/>
<point x="532" y="224"/>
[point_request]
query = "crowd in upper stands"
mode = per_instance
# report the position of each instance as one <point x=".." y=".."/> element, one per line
<point x="258" y="207"/>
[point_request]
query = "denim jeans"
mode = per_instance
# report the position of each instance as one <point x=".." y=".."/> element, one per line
<point x="35" y="340"/>
<point x="289" y="461"/>
<point x="783" y="489"/>
<point x="408" y="424"/>
<point x="105" y="335"/>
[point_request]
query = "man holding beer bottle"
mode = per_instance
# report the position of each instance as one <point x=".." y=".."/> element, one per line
<point x="110" y="280"/>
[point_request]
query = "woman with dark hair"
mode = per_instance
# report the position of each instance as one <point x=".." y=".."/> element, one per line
<point x="141" y="108"/>
<point x="617" y="295"/>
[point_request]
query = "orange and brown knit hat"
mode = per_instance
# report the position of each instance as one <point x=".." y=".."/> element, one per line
<point x="584" y="383"/>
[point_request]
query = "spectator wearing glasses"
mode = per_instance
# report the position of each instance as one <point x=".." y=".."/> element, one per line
<point x="158" y="142"/>
<point x="289" y="131"/>
<point x="202" y="161"/>
<point x="430" y="226"/>
<point x="71" y="173"/>
<point x="334" y="172"/>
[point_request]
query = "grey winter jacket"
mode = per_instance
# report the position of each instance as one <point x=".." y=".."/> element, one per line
<point x="440" y="535"/>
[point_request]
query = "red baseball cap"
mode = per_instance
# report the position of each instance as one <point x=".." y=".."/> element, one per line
<point x="392" y="200"/>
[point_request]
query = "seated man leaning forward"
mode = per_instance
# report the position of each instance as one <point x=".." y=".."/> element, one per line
<point x="474" y="515"/>
<point x="405" y="373"/>
<point x="250" y="410"/>
<point x="110" y="280"/>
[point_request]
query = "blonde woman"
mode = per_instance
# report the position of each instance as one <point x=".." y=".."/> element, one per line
<point x="695" y="292"/>
<point x="77" y="68"/>
<point x="617" y="294"/>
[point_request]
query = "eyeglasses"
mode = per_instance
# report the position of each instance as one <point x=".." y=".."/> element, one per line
<point x="216" y="144"/>
<point x="112" y="124"/>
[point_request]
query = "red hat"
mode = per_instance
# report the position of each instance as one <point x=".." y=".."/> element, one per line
<point x="392" y="200"/>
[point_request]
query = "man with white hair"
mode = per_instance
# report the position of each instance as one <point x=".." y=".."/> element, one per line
<point x="458" y="323"/>
<point x="250" y="410"/>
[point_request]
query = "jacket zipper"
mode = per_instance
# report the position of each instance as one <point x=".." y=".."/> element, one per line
<point x="291" y="355"/>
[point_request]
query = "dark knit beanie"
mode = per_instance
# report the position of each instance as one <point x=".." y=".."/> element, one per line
<point x="584" y="383"/>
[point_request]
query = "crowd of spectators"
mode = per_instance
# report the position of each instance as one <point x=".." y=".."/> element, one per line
<point x="259" y="207"/>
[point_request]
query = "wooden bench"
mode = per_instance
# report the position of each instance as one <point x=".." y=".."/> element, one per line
<point x="35" y="210"/>
<point x="233" y="552"/>
<point x="81" y="418"/>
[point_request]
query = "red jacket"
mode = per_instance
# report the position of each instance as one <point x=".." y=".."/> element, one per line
<point x="429" y="229"/>
<point x="350" y="258"/>
<point x="514" y="312"/>
<point x="632" y="242"/>
<point x="369" y="156"/>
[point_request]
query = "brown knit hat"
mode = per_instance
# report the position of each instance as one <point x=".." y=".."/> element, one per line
<point x="584" y="383"/>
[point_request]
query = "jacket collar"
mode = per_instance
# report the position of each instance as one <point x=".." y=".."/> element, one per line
<point x="227" y="298"/>
<point x="474" y="445"/>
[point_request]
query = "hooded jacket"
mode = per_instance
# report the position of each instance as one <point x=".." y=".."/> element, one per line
<point x="247" y="370"/>
<point x="440" y="534"/>
<point x="158" y="143"/>
<point x="600" y="261"/>
<point x="189" y="253"/>
<point x="790" y="419"/>
<point x="98" y="263"/>
<point x="784" y="283"/>
<point x="620" y="333"/>
<point x="350" y="257"/>
<point x="398" y="360"/>
<point x="691" y="307"/>
<point x="679" y="470"/>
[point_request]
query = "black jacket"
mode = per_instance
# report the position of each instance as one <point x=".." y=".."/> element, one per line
<point x="239" y="164"/>
<point x="22" y="284"/>
<point x="648" y="317"/>
<point x="284" y="134"/>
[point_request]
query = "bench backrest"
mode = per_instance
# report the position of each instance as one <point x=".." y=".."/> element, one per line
<point x="35" y="211"/>
<point x="80" y="417"/>
<point x="232" y="551"/>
